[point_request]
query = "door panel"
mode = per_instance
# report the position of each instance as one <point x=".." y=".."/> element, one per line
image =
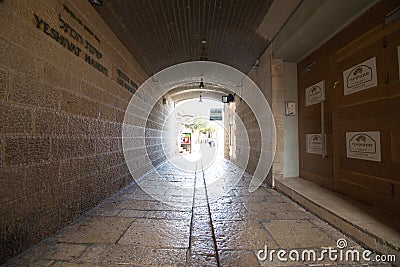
<point x="392" y="37"/>
<point x="315" y="167"/>
<point x="392" y="31"/>
<point x="375" y="49"/>
<point x="373" y="109"/>
<point x="375" y="183"/>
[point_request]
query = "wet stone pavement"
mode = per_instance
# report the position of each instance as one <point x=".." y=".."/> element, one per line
<point x="214" y="221"/>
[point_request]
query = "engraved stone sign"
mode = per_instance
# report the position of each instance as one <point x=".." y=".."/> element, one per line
<point x="71" y="39"/>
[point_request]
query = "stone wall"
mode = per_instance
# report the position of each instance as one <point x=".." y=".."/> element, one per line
<point x="159" y="141"/>
<point x="262" y="76"/>
<point x="246" y="138"/>
<point x="65" y="82"/>
<point x="229" y="140"/>
<point x="278" y="110"/>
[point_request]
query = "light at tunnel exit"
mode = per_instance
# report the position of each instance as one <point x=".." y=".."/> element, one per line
<point x="197" y="136"/>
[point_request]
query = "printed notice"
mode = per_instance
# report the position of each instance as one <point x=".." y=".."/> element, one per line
<point x="360" y="77"/>
<point x="314" y="143"/>
<point x="290" y="108"/>
<point x="364" y="145"/>
<point x="315" y="94"/>
<point x="215" y="114"/>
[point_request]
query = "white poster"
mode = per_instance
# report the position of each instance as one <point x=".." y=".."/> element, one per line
<point x="215" y="114"/>
<point x="315" y="93"/>
<point x="360" y="77"/>
<point x="364" y="145"/>
<point x="290" y="108"/>
<point x="314" y="143"/>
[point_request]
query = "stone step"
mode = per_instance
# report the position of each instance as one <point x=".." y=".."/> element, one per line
<point x="377" y="229"/>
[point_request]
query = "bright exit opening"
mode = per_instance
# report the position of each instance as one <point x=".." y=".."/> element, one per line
<point x="200" y="131"/>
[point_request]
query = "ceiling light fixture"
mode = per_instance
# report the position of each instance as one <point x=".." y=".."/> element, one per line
<point x="203" y="56"/>
<point x="200" y="98"/>
<point x="256" y="65"/>
<point x="228" y="98"/>
<point x="96" y="2"/>
<point x="201" y="85"/>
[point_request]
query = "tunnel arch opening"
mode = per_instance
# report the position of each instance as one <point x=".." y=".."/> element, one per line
<point x="179" y="82"/>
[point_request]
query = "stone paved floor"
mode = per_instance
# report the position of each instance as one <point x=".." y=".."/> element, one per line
<point x="202" y="228"/>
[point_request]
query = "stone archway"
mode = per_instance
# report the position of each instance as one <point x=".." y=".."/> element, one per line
<point x="151" y="91"/>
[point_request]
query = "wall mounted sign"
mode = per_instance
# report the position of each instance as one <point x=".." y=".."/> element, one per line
<point x="314" y="143"/>
<point x="315" y="94"/>
<point x="364" y="145"/>
<point x="71" y="39"/>
<point x="360" y="77"/>
<point x="77" y="19"/>
<point x="126" y="82"/>
<point x="215" y="114"/>
<point x="185" y="138"/>
<point x="290" y="108"/>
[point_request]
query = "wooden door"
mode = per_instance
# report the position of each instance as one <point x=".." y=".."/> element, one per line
<point x="366" y="121"/>
<point x="314" y="165"/>
<point x="392" y="60"/>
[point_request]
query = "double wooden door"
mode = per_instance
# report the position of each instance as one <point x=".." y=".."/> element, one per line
<point x="350" y="142"/>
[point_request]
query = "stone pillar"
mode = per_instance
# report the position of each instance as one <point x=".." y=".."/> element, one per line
<point x="278" y="107"/>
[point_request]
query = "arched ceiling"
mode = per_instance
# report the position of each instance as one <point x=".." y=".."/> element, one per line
<point x="186" y="95"/>
<point x="192" y="90"/>
<point x="163" y="33"/>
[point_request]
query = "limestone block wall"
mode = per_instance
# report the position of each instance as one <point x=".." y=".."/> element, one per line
<point x="262" y="76"/>
<point x="249" y="136"/>
<point x="278" y="110"/>
<point x="65" y="82"/>
<point x="159" y="143"/>
<point x="229" y="132"/>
